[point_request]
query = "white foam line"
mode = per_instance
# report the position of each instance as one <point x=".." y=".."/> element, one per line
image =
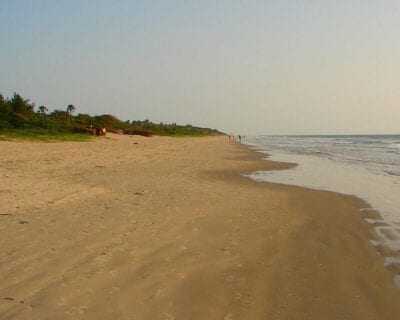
<point x="397" y="281"/>
<point x="391" y="260"/>
<point x="372" y="221"/>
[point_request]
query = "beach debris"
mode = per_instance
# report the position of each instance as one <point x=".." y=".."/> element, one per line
<point x="5" y="214"/>
<point x="9" y="299"/>
<point x="100" y="166"/>
<point x="23" y="221"/>
<point x="139" y="194"/>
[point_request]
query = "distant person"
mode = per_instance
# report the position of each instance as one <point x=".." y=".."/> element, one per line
<point x="240" y="138"/>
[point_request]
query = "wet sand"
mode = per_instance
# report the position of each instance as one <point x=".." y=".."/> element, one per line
<point x="164" y="228"/>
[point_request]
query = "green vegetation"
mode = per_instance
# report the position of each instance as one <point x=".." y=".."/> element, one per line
<point x="41" y="135"/>
<point x="20" y="119"/>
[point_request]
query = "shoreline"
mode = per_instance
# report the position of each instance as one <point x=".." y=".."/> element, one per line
<point x="383" y="236"/>
<point x="166" y="228"/>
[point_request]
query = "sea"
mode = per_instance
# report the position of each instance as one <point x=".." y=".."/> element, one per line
<point x="365" y="166"/>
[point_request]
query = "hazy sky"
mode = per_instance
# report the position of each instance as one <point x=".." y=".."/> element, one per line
<point x="273" y="67"/>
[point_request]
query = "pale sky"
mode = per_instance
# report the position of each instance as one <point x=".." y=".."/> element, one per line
<point x="249" y="66"/>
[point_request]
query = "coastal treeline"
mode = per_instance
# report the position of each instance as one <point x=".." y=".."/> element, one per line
<point x="18" y="113"/>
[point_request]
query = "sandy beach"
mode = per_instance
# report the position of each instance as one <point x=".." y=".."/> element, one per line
<point x="168" y="228"/>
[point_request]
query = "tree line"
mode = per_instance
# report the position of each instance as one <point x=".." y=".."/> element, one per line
<point x="17" y="113"/>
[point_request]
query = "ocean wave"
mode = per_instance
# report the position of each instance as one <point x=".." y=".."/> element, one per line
<point x="394" y="145"/>
<point x="381" y="150"/>
<point x="317" y="152"/>
<point x="340" y="141"/>
<point x="393" y="173"/>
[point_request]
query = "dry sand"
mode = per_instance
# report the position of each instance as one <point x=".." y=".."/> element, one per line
<point x="163" y="228"/>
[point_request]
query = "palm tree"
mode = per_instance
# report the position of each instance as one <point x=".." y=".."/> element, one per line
<point x="43" y="109"/>
<point x="70" y="109"/>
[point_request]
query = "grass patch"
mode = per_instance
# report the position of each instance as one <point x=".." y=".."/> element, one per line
<point x="41" y="135"/>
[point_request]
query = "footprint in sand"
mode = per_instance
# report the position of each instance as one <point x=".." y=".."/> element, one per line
<point x="77" y="310"/>
<point x="229" y="316"/>
<point x="62" y="302"/>
<point x="181" y="276"/>
<point x="168" y="316"/>
<point x="159" y="293"/>
<point x="229" y="278"/>
<point x="114" y="290"/>
<point x="238" y="296"/>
